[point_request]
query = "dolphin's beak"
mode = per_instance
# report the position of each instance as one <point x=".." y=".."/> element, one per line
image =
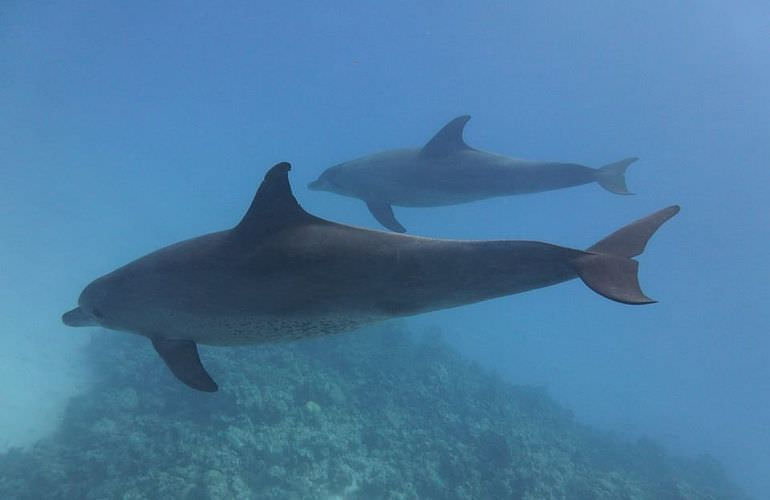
<point x="315" y="185"/>
<point x="77" y="317"/>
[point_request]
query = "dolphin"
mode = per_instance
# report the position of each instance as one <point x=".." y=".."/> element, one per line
<point x="283" y="274"/>
<point x="446" y="171"/>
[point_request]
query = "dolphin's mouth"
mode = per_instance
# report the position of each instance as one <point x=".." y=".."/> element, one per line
<point x="316" y="185"/>
<point x="78" y="317"/>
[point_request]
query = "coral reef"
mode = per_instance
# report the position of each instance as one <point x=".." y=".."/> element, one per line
<point x="371" y="415"/>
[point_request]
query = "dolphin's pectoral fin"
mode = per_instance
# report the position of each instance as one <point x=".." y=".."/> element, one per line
<point x="447" y="140"/>
<point x="181" y="357"/>
<point x="383" y="212"/>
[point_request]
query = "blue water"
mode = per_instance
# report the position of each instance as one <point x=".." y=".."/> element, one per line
<point x="127" y="127"/>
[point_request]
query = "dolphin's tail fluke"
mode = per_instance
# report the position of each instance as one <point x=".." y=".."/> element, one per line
<point x="612" y="177"/>
<point x="607" y="267"/>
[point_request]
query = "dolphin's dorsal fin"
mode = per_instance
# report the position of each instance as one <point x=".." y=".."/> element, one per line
<point x="448" y="140"/>
<point x="273" y="207"/>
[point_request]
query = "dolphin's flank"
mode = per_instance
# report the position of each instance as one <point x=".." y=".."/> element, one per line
<point x="282" y="273"/>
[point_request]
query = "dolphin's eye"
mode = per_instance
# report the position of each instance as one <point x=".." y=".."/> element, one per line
<point x="97" y="313"/>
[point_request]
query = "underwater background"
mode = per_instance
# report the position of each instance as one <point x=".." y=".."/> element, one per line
<point x="126" y="127"/>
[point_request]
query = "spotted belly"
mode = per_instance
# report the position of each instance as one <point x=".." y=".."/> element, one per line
<point x="241" y="330"/>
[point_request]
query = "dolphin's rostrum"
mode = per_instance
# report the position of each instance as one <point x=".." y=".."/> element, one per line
<point x="283" y="274"/>
<point x="446" y="171"/>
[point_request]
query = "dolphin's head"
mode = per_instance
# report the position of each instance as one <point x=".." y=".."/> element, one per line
<point x="97" y="305"/>
<point x="352" y="178"/>
<point x="328" y="180"/>
<point x="89" y="311"/>
<point x="146" y="296"/>
<point x="372" y="177"/>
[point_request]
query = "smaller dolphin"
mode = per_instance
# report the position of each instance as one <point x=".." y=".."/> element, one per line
<point x="446" y="171"/>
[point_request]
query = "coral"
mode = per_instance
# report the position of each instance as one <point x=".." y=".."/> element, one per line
<point x="370" y="415"/>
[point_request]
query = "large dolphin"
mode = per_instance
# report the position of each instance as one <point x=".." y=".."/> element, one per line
<point x="283" y="274"/>
<point x="446" y="171"/>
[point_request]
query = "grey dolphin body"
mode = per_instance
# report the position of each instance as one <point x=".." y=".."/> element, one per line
<point x="284" y="274"/>
<point x="446" y="171"/>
